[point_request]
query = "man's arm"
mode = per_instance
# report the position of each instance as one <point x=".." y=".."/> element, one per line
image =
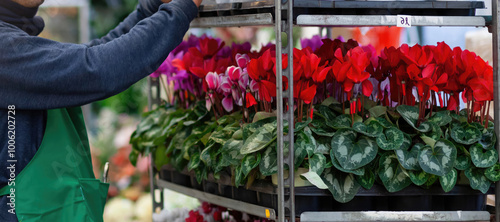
<point x="37" y="73"/>
<point x="144" y="9"/>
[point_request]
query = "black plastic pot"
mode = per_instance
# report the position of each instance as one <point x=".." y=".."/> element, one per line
<point x="412" y="198"/>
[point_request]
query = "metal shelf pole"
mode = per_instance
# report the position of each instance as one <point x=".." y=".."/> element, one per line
<point x="285" y="25"/>
<point x="154" y="102"/>
<point x="495" y="29"/>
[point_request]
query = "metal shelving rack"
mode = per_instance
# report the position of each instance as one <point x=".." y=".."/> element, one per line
<point x="281" y="15"/>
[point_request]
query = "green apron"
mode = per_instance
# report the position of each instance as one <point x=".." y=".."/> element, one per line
<point x="58" y="184"/>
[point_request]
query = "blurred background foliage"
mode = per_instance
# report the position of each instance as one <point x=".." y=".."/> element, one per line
<point x="107" y="14"/>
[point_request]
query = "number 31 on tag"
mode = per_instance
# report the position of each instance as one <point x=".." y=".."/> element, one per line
<point x="404" y="21"/>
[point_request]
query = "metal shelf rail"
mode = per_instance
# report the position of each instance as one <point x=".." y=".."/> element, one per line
<point x="283" y="18"/>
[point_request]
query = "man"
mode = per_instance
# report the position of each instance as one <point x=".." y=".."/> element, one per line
<point x="42" y="85"/>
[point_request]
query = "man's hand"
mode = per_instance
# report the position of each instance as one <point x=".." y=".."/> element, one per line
<point x="197" y="2"/>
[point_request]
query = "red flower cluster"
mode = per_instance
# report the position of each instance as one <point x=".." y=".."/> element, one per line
<point x="429" y="75"/>
<point x="195" y="216"/>
<point x="435" y="71"/>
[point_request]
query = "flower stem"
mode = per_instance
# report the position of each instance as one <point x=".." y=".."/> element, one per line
<point x="213" y="107"/>
<point x="300" y="111"/>
<point x="487" y="114"/>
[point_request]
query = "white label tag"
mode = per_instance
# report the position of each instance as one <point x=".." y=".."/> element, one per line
<point x="403" y="21"/>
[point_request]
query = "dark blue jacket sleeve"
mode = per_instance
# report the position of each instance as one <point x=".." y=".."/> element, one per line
<point x="144" y="9"/>
<point x="36" y="73"/>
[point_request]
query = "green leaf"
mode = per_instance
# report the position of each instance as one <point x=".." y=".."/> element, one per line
<point x="249" y="162"/>
<point x="432" y="179"/>
<point x="493" y="173"/>
<point x="200" y="110"/>
<point x="201" y="173"/>
<point x="463" y="162"/>
<point x="409" y="158"/>
<point x="429" y="141"/>
<point x="182" y="133"/>
<point x="329" y="101"/>
<point x="438" y="160"/>
<point x="466" y="134"/>
<point x="154" y="134"/>
<point x="391" y="139"/>
<point x="306" y="141"/>
<point x="378" y="111"/>
<point x="462" y="117"/>
<point x="262" y="115"/>
<point x="326" y="112"/>
<point x="360" y="171"/>
<point x="323" y="145"/>
<point x="269" y="163"/>
<point x="223" y="135"/>
<point x="253" y="127"/>
<point x="205" y="137"/>
<point x="299" y="155"/>
<point x="367" y="102"/>
<point x="230" y="152"/>
<point x="317" y="163"/>
<point x="341" y="122"/>
<point x="342" y="186"/>
<point x="366" y="180"/>
<point x="196" y="134"/>
<point x="177" y="160"/>
<point x="194" y="161"/>
<point x="435" y="133"/>
<point x="209" y="155"/>
<point x="483" y="158"/>
<point x="320" y="128"/>
<point x="449" y="180"/>
<point x="174" y="122"/>
<point x="350" y="153"/>
<point x="238" y="176"/>
<point x="477" y="179"/>
<point x="384" y="122"/>
<point x="149" y="121"/>
<point x="406" y="142"/>
<point x="392" y="174"/>
<point x="315" y="179"/>
<point x="133" y="157"/>
<point x="418" y="177"/>
<point x="258" y="140"/>
<point x="441" y="118"/>
<point x="410" y="114"/>
<point x="488" y="139"/>
<point x="238" y="135"/>
<point x="371" y="129"/>
<point x="300" y="125"/>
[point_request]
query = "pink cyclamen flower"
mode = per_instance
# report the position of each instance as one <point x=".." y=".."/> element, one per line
<point x="235" y="77"/>
<point x="212" y="80"/>
<point x="227" y="103"/>
<point x="233" y="73"/>
<point x="242" y="60"/>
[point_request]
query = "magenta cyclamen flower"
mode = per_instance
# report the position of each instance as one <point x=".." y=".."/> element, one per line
<point x="314" y="42"/>
<point x="166" y="67"/>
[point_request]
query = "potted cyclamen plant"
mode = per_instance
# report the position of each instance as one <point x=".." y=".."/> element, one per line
<point x="364" y="119"/>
